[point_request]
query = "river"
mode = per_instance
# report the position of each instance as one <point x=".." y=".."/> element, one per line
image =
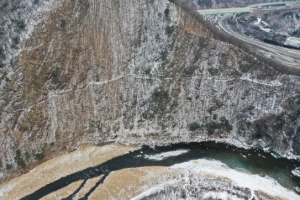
<point x="254" y="161"/>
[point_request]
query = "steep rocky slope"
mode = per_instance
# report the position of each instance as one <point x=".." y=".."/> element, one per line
<point x="138" y="72"/>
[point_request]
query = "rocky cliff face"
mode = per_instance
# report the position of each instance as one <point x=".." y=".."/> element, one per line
<point x="138" y="72"/>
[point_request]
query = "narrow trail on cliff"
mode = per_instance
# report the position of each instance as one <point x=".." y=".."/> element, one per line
<point x="146" y="77"/>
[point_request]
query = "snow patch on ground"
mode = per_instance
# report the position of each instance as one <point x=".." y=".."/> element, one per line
<point x="219" y="195"/>
<point x="3" y="190"/>
<point x="155" y="189"/>
<point x="291" y="41"/>
<point x="296" y="172"/>
<point x="165" y="155"/>
<point x="275" y="83"/>
<point x="253" y="182"/>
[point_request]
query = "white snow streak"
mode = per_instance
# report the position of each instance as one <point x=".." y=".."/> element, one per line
<point x="253" y="182"/>
<point x="165" y="155"/>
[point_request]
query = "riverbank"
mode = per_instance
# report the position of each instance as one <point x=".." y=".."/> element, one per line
<point x="114" y="171"/>
<point x="61" y="166"/>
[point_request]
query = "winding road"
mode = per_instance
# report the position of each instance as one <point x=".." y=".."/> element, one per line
<point x="284" y="55"/>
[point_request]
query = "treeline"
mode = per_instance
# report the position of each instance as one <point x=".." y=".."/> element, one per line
<point x="223" y="36"/>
